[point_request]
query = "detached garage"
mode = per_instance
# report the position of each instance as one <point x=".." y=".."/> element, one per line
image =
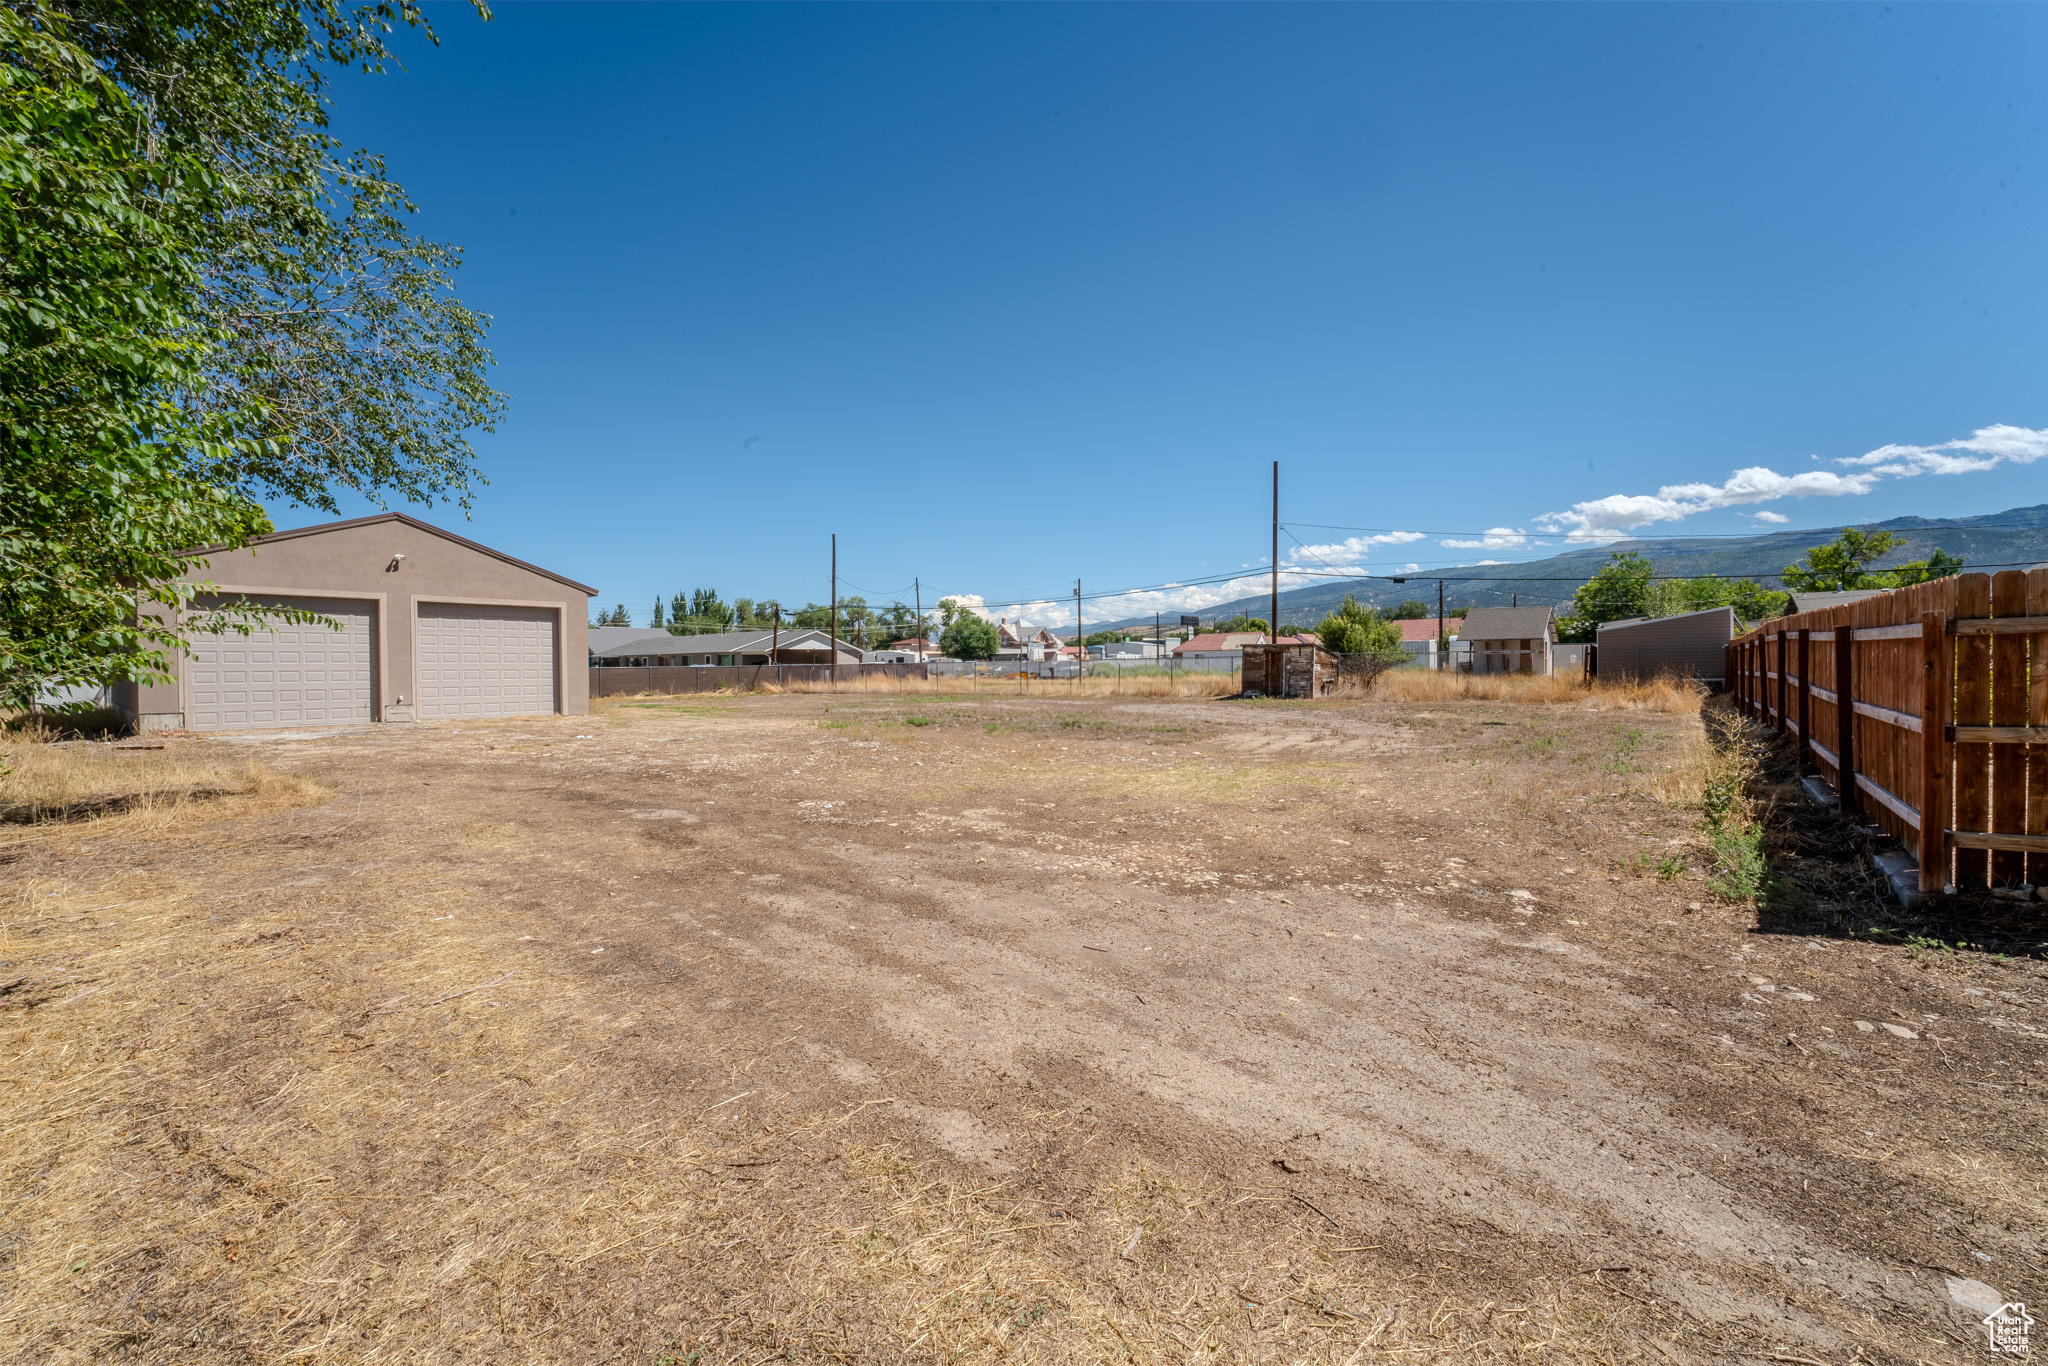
<point x="433" y="626"/>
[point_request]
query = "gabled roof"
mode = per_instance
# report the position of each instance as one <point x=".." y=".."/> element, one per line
<point x="1813" y="602"/>
<point x="605" y="637"/>
<point x="1221" y="640"/>
<point x="417" y="525"/>
<point x="1425" y="628"/>
<point x="720" y="643"/>
<point x="1507" y="623"/>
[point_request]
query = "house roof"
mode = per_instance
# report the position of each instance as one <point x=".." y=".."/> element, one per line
<point x="718" y="643"/>
<point x="1813" y="602"/>
<point x="1220" y="640"/>
<point x="1424" y="628"/>
<point x="1508" y="623"/>
<point x="605" y="637"/>
<point x="415" y="523"/>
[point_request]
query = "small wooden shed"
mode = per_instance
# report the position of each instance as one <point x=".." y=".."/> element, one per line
<point x="1289" y="670"/>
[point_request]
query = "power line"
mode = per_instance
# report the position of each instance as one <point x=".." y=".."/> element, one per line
<point x="1692" y="536"/>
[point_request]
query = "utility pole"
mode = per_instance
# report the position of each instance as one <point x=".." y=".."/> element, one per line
<point x="1273" y="625"/>
<point x="1080" y="642"/>
<point x="1158" y="640"/>
<point x="917" y="592"/>
<point x="834" y="637"/>
<point x="1443" y="635"/>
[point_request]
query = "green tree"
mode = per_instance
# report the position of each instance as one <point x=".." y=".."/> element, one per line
<point x="1938" y="565"/>
<point x="1241" y="623"/>
<point x="200" y="302"/>
<point x="106" y="481"/>
<point x="1411" y="609"/>
<point x="338" y="345"/>
<point x="655" y="619"/>
<point x="1356" y="630"/>
<point x="968" y="636"/>
<point x="1618" y="589"/>
<point x="1842" y="564"/>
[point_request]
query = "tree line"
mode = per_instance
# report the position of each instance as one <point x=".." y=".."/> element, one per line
<point x="1627" y="586"/>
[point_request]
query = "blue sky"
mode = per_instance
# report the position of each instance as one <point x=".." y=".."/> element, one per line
<point x="1010" y="294"/>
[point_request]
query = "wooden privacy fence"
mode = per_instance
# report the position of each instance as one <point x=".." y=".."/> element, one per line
<point x="617" y="681"/>
<point x="1928" y="708"/>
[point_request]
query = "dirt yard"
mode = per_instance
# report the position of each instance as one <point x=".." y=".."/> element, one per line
<point x="820" y="1028"/>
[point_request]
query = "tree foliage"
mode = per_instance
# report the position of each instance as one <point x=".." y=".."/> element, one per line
<point x="1843" y="565"/>
<point x="104" y="480"/>
<point x="336" y="338"/>
<point x="968" y="636"/>
<point x="200" y="303"/>
<point x="1627" y="586"/>
<point x="1411" y="609"/>
<point x="1352" y="629"/>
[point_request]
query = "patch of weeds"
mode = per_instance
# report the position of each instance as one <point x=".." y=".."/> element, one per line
<point x="675" y="1356"/>
<point x="1624" y="758"/>
<point x="835" y="725"/>
<point x="1665" y="868"/>
<point x="1076" y="723"/>
<point x="918" y="721"/>
<point x="1734" y="838"/>
<point x="992" y="727"/>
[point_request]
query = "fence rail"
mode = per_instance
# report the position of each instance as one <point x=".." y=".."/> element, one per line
<point x="1928" y="709"/>
<point x="620" y="681"/>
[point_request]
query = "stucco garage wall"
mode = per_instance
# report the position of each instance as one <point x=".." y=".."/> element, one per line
<point x="353" y="561"/>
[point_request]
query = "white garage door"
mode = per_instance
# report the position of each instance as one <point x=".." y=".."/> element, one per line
<point x="486" y="661"/>
<point x="287" y="675"/>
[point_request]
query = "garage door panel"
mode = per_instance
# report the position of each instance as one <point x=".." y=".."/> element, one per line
<point x="287" y="675"/>
<point x="486" y="661"/>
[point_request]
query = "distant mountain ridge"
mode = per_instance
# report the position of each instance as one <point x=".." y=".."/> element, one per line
<point x="2017" y="537"/>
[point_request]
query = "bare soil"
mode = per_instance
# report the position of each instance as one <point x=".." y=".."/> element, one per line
<point x="917" y="1029"/>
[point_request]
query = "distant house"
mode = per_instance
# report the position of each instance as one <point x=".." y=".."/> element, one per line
<point x="659" y="649"/>
<point x="1209" y="642"/>
<point x="1688" y="645"/>
<point x="1509" y="640"/>
<point x="1425" y="628"/>
<point x="1419" y="638"/>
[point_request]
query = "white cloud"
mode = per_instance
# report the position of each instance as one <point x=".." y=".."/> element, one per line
<point x="1769" y="516"/>
<point x="1495" y="538"/>
<point x="1352" y="549"/>
<point x="1983" y="449"/>
<point x="1493" y="561"/>
<point x="1613" y="517"/>
<point x="1410" y="567"/>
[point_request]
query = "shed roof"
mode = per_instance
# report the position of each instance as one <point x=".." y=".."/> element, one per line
<point x="414" y="522"/>
<point x="1508" y="623"/>
<point x="1813" y="602"/>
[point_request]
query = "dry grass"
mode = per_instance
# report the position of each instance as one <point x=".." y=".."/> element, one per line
<point x="237" y="1136"/>
<point x="1191" y="684"/>
<point x="45" y="779"/>
<point x="1662" y="694"/>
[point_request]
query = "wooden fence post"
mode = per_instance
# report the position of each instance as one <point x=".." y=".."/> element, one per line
<point x="2037" y="715"/>
<point x="1805" y="712"/>
<point x="1937" y="671"/>
<point x="1845" y="713"/>
<point x="1970" y="781"/>
<point x="2008" y="708"/>
<point x="1784" y="661"/>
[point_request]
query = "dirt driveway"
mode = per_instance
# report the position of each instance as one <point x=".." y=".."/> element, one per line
<point x="878" y="1029"/>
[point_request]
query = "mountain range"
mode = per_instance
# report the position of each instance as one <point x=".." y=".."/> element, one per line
<point x="2015" y="538"/>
